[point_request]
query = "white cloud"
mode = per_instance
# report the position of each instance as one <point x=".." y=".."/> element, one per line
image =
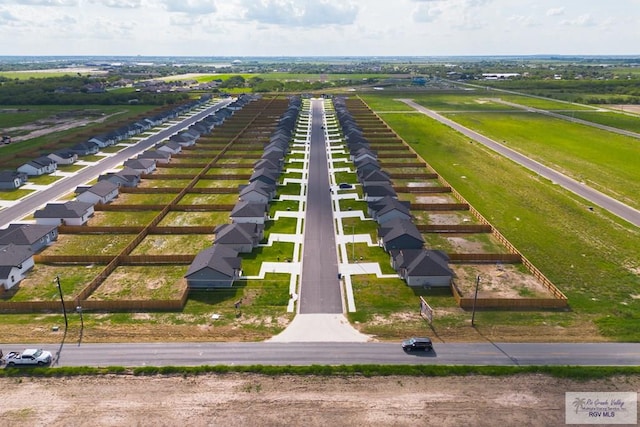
<point x="299" y="13"/>
<point x="580" y="21"/>
<point x="460" y="14"/>
<point x="522" y="21"/>
<point x="426" y="12"/>
<point x="556" y="11"/>
<point x="120" y="4"/>
<point x="7" y="18"/>
<point x="191" y="6"/>
<point x="41" y="2"/>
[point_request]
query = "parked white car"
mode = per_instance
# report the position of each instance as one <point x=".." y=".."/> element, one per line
<point x="30" y="356"/>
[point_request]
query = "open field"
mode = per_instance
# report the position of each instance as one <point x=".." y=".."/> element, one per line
<point x="252" y="399"/>
<point x="591" y="256"/>
<point x="616" y="120"/>
<point x="598" y="158"/>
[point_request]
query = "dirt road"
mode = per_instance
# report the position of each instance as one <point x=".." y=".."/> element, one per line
<point x="250" y="399"/>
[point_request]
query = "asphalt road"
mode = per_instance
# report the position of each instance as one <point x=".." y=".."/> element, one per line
<point x="593" y="196"/>
<point x="319" y="284"/>
<point x="63" y="186"/>
<point x="328" y="353"/>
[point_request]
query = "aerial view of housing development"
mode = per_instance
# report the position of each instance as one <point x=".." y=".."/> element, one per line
<point x="319" y="213"/>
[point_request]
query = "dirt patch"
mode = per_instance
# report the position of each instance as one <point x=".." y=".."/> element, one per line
<point x="435" y="199"/>
<point x="498" y="281"/>
<point x="250" y="399"/>
<point x="56" y="123"/>
<point x="633" y="108"/>
<point x="449" y="218"/>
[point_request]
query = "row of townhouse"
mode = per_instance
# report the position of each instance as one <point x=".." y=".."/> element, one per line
<point x="397" y="234"/>
<point x="219" y="265"/>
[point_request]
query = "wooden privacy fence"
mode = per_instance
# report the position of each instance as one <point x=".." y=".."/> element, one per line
<point x="467" y="303"/>
<point x="439" y="206"/>
<point x="202" y="208"/>
<point x="85" y="229"/>
<point x="73" y="259"/>
<point x="126" y="208"/>
<point x="402" y="165"/>
<point x="396" y="156"/>
<point x="485" y="258"/>
<point x="415" y="175"/>
<point x="423" y="190"/>
<point x="156" y="259"/>
<point x="95" y="305"/>
<point x="182" y="165"/>
<point x="196" y="229"/>
<point x="454" y="228"/>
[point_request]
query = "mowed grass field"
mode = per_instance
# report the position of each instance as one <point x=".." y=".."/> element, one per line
<point x="601" y="159"/>
<point x="593" y="257"/>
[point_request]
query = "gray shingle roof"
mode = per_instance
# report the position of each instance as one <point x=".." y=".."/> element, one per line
<point x="249" y="209"/>
<point x="388" y="204"/>
<point x="398" y="227"/>
<point x="71" y="209"/>
<point x="237" y="233"/>
<point x="220" y="258"/>
<point x="13" y="255"/>
<point x="24" y="234"/>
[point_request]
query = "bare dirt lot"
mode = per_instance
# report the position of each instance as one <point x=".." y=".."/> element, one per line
<point x="251" y="399"/>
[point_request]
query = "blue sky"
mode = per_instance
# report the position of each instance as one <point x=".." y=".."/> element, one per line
<point x="319" y="27"/>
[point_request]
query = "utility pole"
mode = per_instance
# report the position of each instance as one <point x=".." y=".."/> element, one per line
<point x="79" y="311"/>
<point x="475" y="298"/>
<point x="64" y="309"/>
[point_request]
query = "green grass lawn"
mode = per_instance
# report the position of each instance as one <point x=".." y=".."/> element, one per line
<point x="543" y="104"/>
<point x="121" y="219"/>
<point x="141" y="283"/>
<point x="278" y="252"/>
<point x="616" y="120"/>
<point x="164" y="183"/>
<point x="168" y="244"/>
<point x="208" y="199"/>
<point x="145" y="199"/>
<point x="40" y="283"/>
<point x="180" y="219"/>
<point x="281" y="226"/>
<point x="70" y="168"/>
<point x="89" y="244"/>
<point x="16" y="194"/>
<point x="283" y="205"/>
<point x="182" y="171"/>
<point x="291" y="189"/>
<point x="45" y="179"/>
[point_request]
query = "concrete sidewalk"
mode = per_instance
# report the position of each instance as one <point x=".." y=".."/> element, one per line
<point x="320" y="328"/>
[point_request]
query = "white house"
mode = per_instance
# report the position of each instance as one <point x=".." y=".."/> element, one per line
<point x="69" y="213"/>
<point x="15" y="261"/>
<point x="101" y="192"/>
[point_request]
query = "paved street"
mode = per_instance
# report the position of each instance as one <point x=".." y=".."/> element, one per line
<point x="320" y="288"/>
